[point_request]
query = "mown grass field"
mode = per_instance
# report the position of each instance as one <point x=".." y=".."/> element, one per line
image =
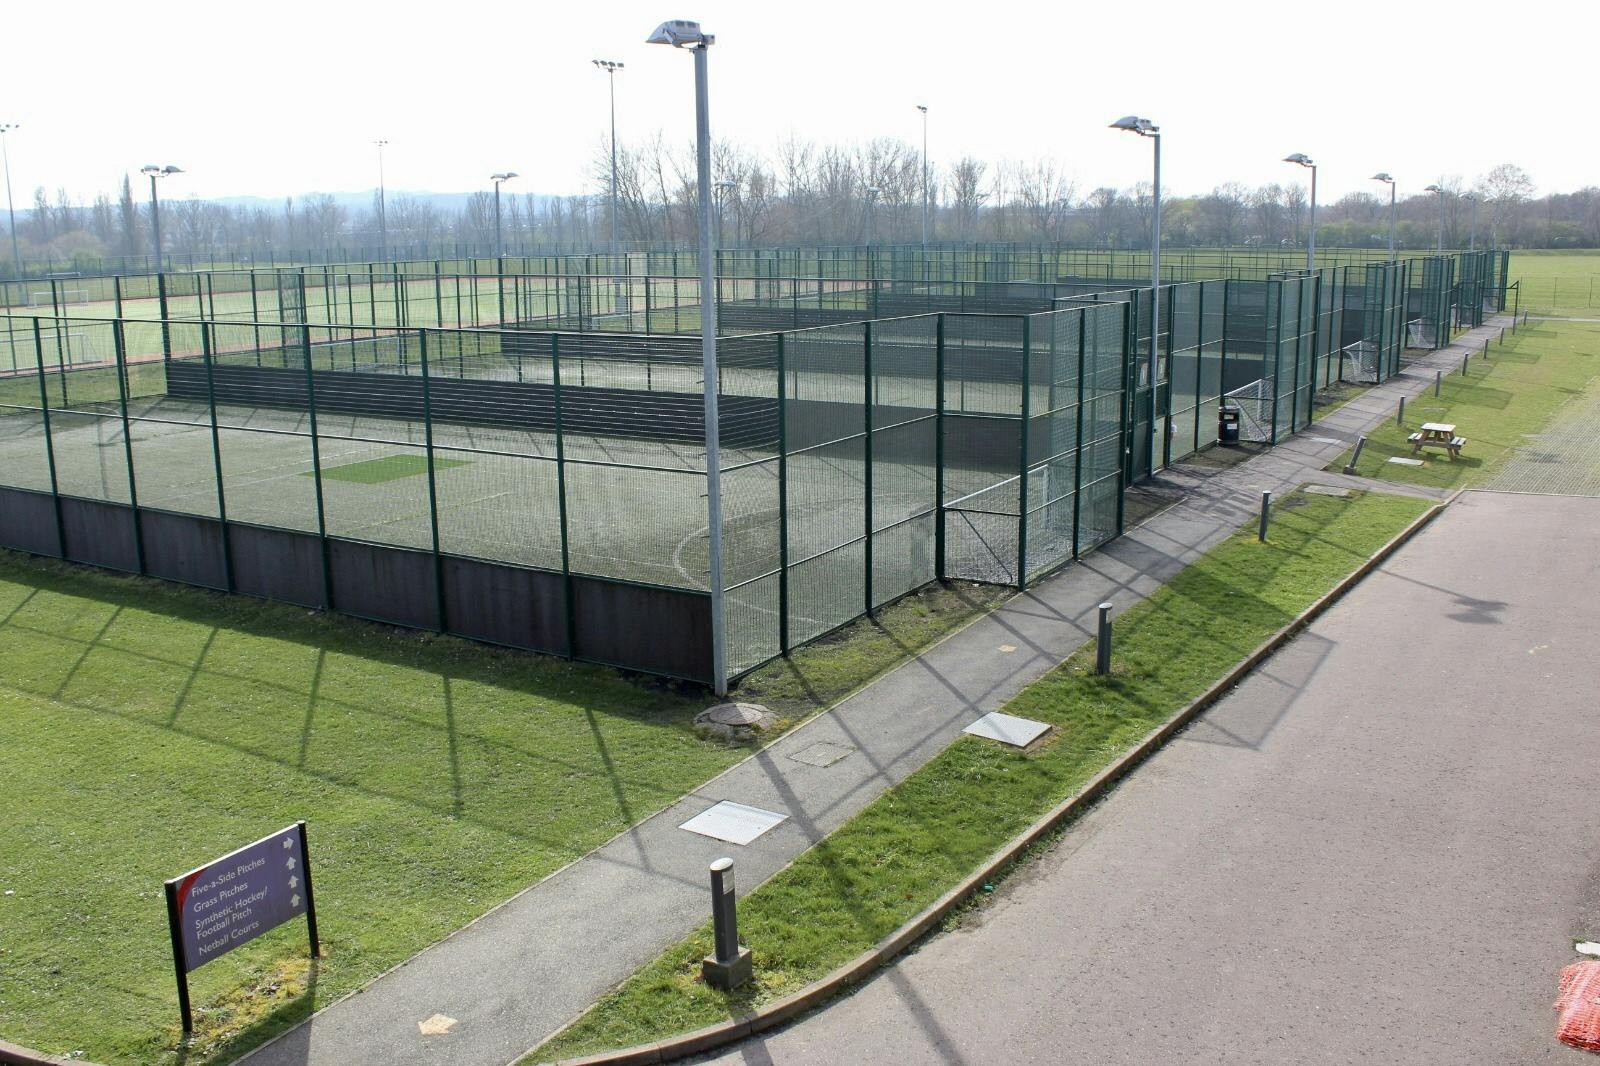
<point x="1495" y="405"/>
<point x="149" y="728"/>
<point x="1564" y="283"/>
<point x="917" y="840"/>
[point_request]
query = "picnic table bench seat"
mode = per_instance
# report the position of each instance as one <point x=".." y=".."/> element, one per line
<point x="1420" y="441"/>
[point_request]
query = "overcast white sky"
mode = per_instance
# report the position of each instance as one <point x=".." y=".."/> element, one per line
<point x="287" y="96"/>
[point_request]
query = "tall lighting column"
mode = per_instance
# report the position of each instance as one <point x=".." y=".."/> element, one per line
<point x="1304" y="160"/>
<point x="1383" y="176"/>
<point x="611" y="69"/>
<point x="1145" y="128"/>
<point x="680" y="33"/>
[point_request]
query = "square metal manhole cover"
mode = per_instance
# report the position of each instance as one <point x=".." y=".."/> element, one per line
<point x="1007" y="729"/>
<point x="733" y="822"/>
<point x="821" y="754"/>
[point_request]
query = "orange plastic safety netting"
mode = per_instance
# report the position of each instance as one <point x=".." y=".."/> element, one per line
<point x="1578" y="1002"/>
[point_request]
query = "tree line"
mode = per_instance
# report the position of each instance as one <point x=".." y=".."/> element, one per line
<point x="803" y="192"/>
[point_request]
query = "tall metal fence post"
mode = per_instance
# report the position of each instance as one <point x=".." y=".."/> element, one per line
<point x="433" y="487"/>
<point x="1022" y="456"/>
<point x="939" y="366"/>
<point x="316" y="457"/>
<point x="120" y="343"/>
<point x="561" y="499"/>
<point x="49" y="442"/>
<point x="1077" y="458"/>
<point x="866" y="478"/>
<point x="207" y="348"/>
<point x="783" y="500"/>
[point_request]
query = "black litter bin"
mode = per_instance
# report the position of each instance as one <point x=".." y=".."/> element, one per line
<point x="1228" y="425"/>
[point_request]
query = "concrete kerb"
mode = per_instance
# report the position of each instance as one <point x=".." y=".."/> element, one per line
<point x="856" y="970"/>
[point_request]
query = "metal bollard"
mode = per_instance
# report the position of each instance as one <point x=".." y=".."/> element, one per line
<point x="1400" y="419"/>
<point x="729" y="965"/>
<point x="1355" y="456"/>
<point x="1102" y="641"/>
<point x="1464" y="360"/>
<point x="1438" y="379"/>
<point x="1266" y="505"/>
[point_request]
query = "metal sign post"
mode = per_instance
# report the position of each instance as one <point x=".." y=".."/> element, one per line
<point x="231" y="901"/>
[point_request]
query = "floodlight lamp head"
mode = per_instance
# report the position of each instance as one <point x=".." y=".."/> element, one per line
<point x="923" y="108"/>
<point x="1383" y="175"/>
<point x="1134" y="124"/>
<point x="680" y="33"/>
<point x="1433" y="188"/>
<point x="150" y="168"/>
<point x="608" y="65"/>
<point x="507" y="176"/>
<point x="1300" y="158"/>
<point x="171" y="170"/>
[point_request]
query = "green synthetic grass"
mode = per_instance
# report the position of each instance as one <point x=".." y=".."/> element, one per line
<point x="917" y="840"/>
<point x="1515" y="392"/>
<point x="387" y="468"/>
<point x="149" y="728"/>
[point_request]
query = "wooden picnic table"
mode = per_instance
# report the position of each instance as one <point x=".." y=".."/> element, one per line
<point x="1437" y="435"/>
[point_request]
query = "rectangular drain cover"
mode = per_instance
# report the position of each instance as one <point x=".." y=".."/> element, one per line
<point x="1007" y="729"/>
<point x="733" y="822"/>
<point x="821" y="754"/>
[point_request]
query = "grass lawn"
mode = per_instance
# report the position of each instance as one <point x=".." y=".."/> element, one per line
<point x="1514" y="392"/>
<point x="1563" y="283"/>
<point x="151" y="727"/>
<point x="907" y="848"/>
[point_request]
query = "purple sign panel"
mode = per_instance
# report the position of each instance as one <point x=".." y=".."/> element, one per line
<point x="230" y="902"/>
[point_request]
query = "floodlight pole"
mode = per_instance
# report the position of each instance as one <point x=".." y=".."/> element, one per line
<point x="498" y="179"/>
<point x="1145" y="128"/>
<point x="924" y="109"/>
<point x="1383" y="176"/>
<point x="681" y="34"/>
<point x="154" y="172"/>
<point x="1311" y="233"/>
<point x="611" y="69"/>
<point x="383" y="214"/>
<point x="155" y="217"/>
<point x="1155" y="293"/>
<point x="1301" y="159"/>
<point x="11" y="212"/>
<point x="1472" y="238"/>
<point x="1439" y="189"/>
<point x="708" y="359"/>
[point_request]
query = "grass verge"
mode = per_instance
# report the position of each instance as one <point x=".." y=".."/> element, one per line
<point x="1515" y="392"/>
<point x="908" y="847"/>
<point x="150" y="727"/>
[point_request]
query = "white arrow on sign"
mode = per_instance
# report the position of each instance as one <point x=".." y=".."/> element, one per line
<point x="294" y="882"/>
<point x="294" y="900"/>
<point x="287" y="843"/>
<point x="291" y="862"/>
